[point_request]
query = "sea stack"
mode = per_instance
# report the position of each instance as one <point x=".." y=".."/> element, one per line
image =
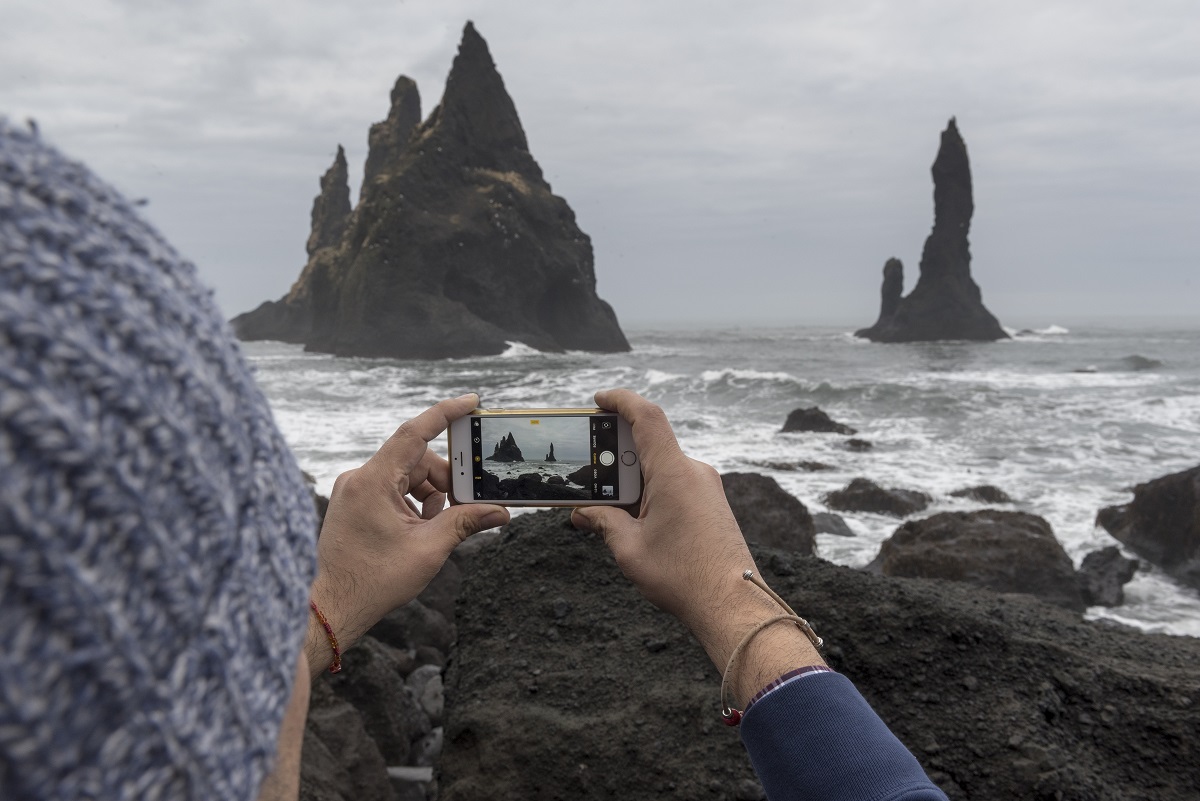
<point x="506" y="451"/>
<point x="457" y="246"/>
<point x="946" y="302"/>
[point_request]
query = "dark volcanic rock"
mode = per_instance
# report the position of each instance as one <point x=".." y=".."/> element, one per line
<point x="457" y="246"/>
<point x="331" y="208"/>
<point x="830" y="523"/>
<point x="813" y="419"/>
<point x="387" y="140"/>
<point x="550" y="455"/>
<point x="1002" y="551"/>
<point x="861" y="445"/>
<point x="1000" y="697"/>
<point x="1162" y="523"/>
<point x="946" y="302"/>
<point x="506" y="450"/>
<point x="1103" y="576"/>
<point x="864" y="495"/>
<point x="339" y="761"/>
<point x="768" y="514"/>
<point x="369" y="676"/>
<point x="984" y="493"/>
<point x="891" y="293"/>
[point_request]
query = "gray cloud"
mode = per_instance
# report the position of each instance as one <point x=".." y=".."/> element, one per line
<point x="757" y="163"/>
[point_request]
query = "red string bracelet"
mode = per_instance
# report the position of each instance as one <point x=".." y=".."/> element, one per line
<point x="336" y="667"/>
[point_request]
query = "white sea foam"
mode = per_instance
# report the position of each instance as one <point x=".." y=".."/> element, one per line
<point x="518" y="350"/>
<point x="941" y="416"/>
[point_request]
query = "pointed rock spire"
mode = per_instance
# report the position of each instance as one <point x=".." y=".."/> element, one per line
<point x="946" y="302"/>
<point x="331" y="208"/>
<point x="457" y="248"/>
<point x="387" y="140"/>
<point x="476" y="118"/>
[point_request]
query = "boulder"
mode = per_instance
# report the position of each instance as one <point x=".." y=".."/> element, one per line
<point x="864" y="495"/>
<point x="1103" y="576"/>
<point x="415" y="624"/>
<point x="768" y="514"/>
<point x="1002" y="551"/>
<point x="457" y="246"/>
<point x="339" y="761"/>
<point x="1162" y="524"/>
<point x="371" y="683"/>
<point x="946" y="302"/>
<point x="860" y="445"/>
<point x="830" y="523"/>
<point x="999" y="696"/>
<point x="984" y="493"/>
<point x="813" y="419"/>
<point x="441" y="592"/>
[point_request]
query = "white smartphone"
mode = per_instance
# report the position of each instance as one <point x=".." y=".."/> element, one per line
<point x="544" y="457"/>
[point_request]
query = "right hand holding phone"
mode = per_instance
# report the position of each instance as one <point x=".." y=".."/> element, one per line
<point x="684" y="550"/>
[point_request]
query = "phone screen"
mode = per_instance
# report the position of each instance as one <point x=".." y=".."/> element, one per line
<point x="550" y="458"/>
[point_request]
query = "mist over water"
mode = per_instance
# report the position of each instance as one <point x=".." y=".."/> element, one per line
<point x="1063" y="421"/>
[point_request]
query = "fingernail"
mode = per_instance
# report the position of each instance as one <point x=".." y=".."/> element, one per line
<point x="468" y="395"/>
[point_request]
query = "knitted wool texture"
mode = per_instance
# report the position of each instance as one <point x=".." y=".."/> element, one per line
<point x="156" y="536"/>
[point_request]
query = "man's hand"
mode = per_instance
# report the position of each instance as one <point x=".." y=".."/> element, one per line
<point x="685" y="552"/>
<point x="387" y="531"/>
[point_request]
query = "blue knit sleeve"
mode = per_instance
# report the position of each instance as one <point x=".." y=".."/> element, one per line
<point x="818" y="738"/>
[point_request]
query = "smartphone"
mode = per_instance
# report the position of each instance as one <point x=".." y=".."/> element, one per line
<point x="544" y="457"/>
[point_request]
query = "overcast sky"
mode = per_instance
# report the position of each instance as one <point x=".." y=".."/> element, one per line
<point x="740" y="164"/>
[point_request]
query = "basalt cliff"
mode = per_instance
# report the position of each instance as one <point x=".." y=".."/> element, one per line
<point x="946" y="302"/>
<point x="457" y="245"/>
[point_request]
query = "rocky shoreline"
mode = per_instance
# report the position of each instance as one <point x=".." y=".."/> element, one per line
<point x="562" y="682"/>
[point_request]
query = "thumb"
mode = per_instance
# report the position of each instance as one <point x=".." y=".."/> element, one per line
<point x="456" y="523"/>
<point x="610" y="522"/>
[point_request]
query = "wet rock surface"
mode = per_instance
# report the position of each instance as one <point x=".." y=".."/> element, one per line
<point x="1103" y="576"/>
<point x="1002" y="551"/>
<point x="946" y="302"/>
<point x="1162" y="524"/>
<point x="864" y="495"/>
<point x="813" y="419"/>
<point x="457" y="246"/>
<point x="984" y="493"/>
<point x="768" y="514"/>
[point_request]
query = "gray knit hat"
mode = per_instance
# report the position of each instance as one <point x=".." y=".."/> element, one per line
<point x="156" y="535"/>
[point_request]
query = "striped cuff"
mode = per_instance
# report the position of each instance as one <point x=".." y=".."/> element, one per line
<point x="790" y="676"/>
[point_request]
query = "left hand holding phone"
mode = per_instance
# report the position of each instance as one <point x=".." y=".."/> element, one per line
<point x="388" y="532"/>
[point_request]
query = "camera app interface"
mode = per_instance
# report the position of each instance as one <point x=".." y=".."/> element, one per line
<point x="552" y="458"/>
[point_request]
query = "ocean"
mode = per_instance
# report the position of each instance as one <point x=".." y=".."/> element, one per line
<point x="1064" y="421"/>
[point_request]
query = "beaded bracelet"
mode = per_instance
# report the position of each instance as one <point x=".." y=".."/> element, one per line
<point x="729" y="715"/>
<point x="336" y="667"/>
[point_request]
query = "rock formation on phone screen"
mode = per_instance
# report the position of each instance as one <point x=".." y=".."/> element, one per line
<point x="946" y="302"/>
<point x="507" y="451"/>
<point x="457" y="245"/>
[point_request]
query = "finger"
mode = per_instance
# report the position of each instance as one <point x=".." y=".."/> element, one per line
<point x="457" y="523"/>
<point x="432" y="500"/>
<point x="436" y="471"/>
<point x="407" y="446"/>
<point x="613" y="524"/>
<point x="652" y="432"/>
